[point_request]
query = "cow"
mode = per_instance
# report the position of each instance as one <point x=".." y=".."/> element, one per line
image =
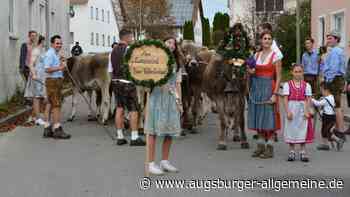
<point x="196" y="102"/>
<point x="225" y="85"/>
<point x="90" y="73"/>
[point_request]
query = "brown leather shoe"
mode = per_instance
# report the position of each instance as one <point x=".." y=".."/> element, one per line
<point x="60" y="134"/>
<point x="260" y="149"/>
<point x="268" y="152"/>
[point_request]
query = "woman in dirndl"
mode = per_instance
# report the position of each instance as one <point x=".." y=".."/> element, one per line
<point x="35" y="87"/>
<point x="163" y="115"/>
<point x="263" y="110"/>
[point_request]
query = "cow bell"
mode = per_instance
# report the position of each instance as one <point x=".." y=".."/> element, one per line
<point x="230" y="88"/>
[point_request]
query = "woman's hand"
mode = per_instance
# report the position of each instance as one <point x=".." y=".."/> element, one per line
<point x="289" y="115"/>
<point x="307" y="115"/>
<point x="33" y="73"/>
<point x="273" y="98"/>
<point x="251" y="71"/>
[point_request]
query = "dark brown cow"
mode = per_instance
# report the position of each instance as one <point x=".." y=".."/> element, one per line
<point x="225" y="86"/>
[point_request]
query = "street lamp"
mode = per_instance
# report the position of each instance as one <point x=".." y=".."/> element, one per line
<point x="298" y="31"/>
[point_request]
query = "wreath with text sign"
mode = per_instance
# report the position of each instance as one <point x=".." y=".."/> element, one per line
<point x="149" y="63"/>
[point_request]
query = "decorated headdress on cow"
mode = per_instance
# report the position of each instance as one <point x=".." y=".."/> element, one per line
<point x="235" y="47"/>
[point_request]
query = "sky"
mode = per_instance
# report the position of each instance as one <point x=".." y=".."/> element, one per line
<point x="212" y="6"/>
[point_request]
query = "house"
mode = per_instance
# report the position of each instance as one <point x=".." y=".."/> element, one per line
<point x="94" y="25"/>
<point x="187" y="10"/>
<point x="17" y="17"/>
<point x="254" y="12"/>
<point x="331" y="15"/>
<point x="179" y="12"/>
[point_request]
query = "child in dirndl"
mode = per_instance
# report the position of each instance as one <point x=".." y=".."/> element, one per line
<point x="298" y="128"/>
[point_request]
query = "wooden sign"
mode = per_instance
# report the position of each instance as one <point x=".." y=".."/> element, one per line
<point x="148" y="63"/>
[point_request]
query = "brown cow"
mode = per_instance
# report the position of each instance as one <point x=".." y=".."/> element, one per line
<point x="91" y="74"/>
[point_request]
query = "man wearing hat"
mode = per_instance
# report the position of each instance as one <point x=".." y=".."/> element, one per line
<point x="334" y="73"/>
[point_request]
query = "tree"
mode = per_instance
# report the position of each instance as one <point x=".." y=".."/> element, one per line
<point x="154" y="19"/>
<point x="206" y="32"/>
<point x="286" y="26"/>
<point x="188" y="31"/>
<point x="221" y="24"/>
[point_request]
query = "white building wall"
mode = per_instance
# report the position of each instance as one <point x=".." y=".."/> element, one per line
<point x="242" y="11"/>
<point x="82" y="26"/>
<point x="198" y="31"/>
<point x="54" y="20"/>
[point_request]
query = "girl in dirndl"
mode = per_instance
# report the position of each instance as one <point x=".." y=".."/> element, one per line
<point x="298" y="128"/>
<point x="163" y="114"/>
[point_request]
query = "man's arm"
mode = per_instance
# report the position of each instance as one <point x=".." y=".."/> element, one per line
<point x="50" y="69"/>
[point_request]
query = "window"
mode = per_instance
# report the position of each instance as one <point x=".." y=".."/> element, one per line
<point x="338" y="25"/>
<point x="103" y="40"/>
<point x="279" y="5"/>
<point x="11" y="16"/>
<point x="92" y="39"/>
<point x="269" y="5"/>
<point x="109" y="40"/>
<point x="103" y="15"/>
<point x="114" y="40"/>
<point x="91" y="13"/>
<point x="97" y="14"/>
<point x="97" y="40"/>
<point x="260" y="5"/>
<point x="321" y="31"/>
<point x="108" y="17"/>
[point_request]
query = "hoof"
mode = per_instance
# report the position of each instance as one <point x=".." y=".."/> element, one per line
<point x="221" y="147"/>
<point x="183" y="133"/>
<point x="236" y="138"/>
<point x="244" y="145"/>
<point x="193" y="131"/>
<point x="92" y="118"/>
<point x="71" y="119"/>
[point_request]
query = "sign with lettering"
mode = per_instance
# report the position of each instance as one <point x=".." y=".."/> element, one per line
<point x="149" y="63"/>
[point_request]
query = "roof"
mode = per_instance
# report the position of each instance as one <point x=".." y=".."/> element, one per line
<point x="75" y="2"/>
<point x="185" y="10"/>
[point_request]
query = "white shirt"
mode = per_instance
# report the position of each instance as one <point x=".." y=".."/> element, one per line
<point x="277" y="50"/>
<point x="259" y="61"/>
<point x="327" y="108"/>
<point x="110" y="67"/>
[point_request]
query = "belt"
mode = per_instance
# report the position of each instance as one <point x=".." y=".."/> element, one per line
<point x="121" y="80"/>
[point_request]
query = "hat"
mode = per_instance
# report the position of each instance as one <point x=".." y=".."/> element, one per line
<point x="334" y="34"/>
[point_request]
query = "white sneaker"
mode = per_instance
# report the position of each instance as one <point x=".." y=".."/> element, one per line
<point x="155" y="169"/>
<point x="40" y="122"/>
<point x="166" y="166"/>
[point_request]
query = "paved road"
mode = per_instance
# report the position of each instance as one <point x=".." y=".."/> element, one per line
<point x="90" y="165"/>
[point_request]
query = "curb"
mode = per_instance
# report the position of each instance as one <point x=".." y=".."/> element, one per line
<point x="12" y="117"/>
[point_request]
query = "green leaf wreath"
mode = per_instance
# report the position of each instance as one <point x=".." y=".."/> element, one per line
<point x="149" y="83"/>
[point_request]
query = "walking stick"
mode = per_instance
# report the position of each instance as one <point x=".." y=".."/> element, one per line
<point x="147" y="135"/>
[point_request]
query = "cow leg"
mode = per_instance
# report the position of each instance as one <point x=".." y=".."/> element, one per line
<point x="91" y="116"/>
<point x="222" y="132"/>
<point x="74" y="105"/>
<point x="105" y="98"/>
<point x="196" y="105"/>
<point x="244" y="142"/>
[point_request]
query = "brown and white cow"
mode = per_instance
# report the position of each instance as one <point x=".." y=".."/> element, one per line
<point x="91" y="74"/>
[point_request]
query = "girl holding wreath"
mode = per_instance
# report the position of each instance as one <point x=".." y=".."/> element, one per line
<point x="163" y="115"/>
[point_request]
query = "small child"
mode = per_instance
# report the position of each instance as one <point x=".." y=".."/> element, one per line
<point x="328" y="119"/>
<point x="298" y="127"/>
